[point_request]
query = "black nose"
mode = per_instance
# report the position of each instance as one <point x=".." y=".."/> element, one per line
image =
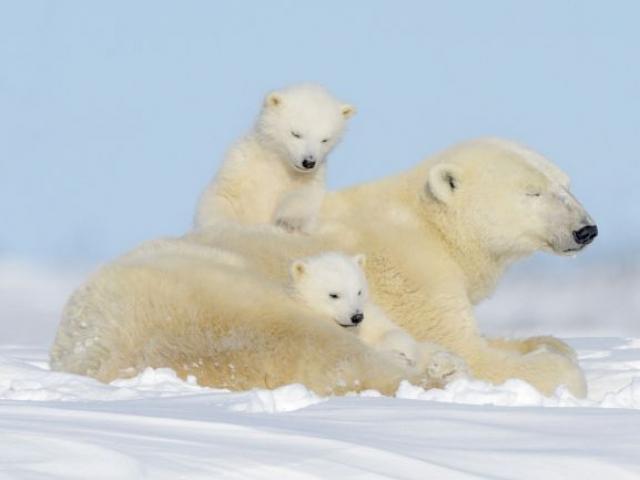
<point x="308" y="162"/>
<point x="357" y="318"/>
<point x="585" y="235"/>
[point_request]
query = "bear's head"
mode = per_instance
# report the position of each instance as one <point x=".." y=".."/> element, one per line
<point x="507" y="197"/>
<point x="332" y="284"/>
<point x="303" y="123"/>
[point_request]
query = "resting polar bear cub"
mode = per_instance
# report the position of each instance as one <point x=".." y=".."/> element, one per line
<point x="334" y="285"/>
<point x="276" y="174"/>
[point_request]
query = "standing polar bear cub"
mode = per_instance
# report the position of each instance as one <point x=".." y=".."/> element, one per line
<point x="334" y="285"/>
<point x="276" y="174"/>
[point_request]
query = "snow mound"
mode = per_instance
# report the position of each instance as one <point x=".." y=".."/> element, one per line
<point x="32" y="381"/>
<point x="25" y="378"/>
<point x="517" y="393"/>
<point x="20" y="380"/>
<point x="283" y="399"/>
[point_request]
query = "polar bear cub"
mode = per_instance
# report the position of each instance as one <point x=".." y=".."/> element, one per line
<point x="334" y="284"/>
<point x="276" y="174"/>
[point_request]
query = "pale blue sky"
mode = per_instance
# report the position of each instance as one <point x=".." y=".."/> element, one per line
<point x="114" y="115"/>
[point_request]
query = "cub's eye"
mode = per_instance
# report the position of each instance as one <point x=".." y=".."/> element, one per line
<point x="533" y="194"/>
<point x="335" y="296"/>
<point x="296" y="134"/>
<point x="359" y="292"/>
<point x="325" y="140"/>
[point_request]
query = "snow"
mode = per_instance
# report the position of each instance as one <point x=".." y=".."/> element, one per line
<point x="59" y="426"/>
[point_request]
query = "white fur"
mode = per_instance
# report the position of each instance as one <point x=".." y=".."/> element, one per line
<point x="542" y="213"/>
<point x="334" y="285"/>
<point x="266" y="177"/>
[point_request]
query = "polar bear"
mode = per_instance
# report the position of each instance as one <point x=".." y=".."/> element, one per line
<point x="437" y="239"/>
<point x="205" y="313"/>
<point x="334" y="284"/>
<point x="276" y="174"/>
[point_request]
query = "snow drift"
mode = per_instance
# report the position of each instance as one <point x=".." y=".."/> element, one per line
<point x="60" y="426"/>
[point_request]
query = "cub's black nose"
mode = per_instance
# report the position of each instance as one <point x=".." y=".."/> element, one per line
<point x="585" y="235"/>
<point x="357" y="318"/>
<point x="308" y="162"/>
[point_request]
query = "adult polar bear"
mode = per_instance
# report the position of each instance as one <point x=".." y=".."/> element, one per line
<point x="437" y="238"/>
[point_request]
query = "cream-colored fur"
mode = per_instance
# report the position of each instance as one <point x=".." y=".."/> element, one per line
<point x="334" y="286"/>
<point x="437" y="238"/>
<point x="265" y="177"/>
<point x="380" y="332"/>
<point x="196" y="309"/>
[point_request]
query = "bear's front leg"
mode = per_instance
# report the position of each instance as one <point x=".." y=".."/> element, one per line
<point x="298" y="211"/>
<point x="546" y="369"/>
<point x="499" y="360"/>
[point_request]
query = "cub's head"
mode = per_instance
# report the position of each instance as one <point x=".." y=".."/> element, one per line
<point x="511" y="199"/>
<point x="303" y="123"/>
<point x="332" y="284"/>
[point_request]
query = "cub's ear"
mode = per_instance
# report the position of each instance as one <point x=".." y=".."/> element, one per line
<point x="361" y="260"/>
<point x="298" y="269"/>
<point x="443" y="181"/>
<point x="273" y="99"/>
<point x="347" y="110"/>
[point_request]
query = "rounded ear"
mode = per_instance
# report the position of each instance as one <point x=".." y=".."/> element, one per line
<point x="443" y="180"/>
<point x="273" y="99"/>
<point x="298" y="269"/>
<point x="361" y="260"/>
<point x="347" y="110"/>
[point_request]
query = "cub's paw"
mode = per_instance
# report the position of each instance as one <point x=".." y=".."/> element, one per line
<point x="445" y="367"/>
<point x="403" y="359"/>
<point x="293" y="224"/>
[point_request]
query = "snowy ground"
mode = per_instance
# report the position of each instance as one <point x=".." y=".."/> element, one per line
<point x="156" y="426"/>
